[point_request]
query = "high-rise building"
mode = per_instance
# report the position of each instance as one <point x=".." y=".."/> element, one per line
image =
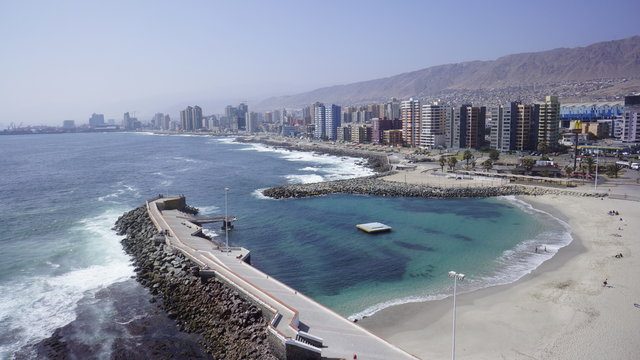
<point x="96" y="120"/>
<point x="526" y="127"/>
<point x="306" y="115"/>
<point x="253" y="122"/>
<point x="69" y="124"/>
<point x="378" y="126"/>
<point x="191" y="118"/>
<point x="327" y="120"/>
<point x="392" y="109"/>
<point x="474" y="134"/>
<point x="630" y="124"/>
<point x="344" y="133"/>
<point x="361" y="134"/>
<point x="456" y="127"/>
<point x="156" y="122"/>
<point x="410" y="116"/>
<point x="129" y="123"/>
<point x="549" y="122"/>
<point x="432" y="118"/>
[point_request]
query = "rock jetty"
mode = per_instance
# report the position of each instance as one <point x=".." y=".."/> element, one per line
<point x="378" y="187"/>
<point x="231" y="327"/>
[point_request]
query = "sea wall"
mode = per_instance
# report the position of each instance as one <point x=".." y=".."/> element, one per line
<point x="379" y="187"/>
<point x="231" y="327"/>
<point x="376" y="161"/>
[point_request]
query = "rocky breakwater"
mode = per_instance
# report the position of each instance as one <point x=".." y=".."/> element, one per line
<point x="378" y="187"/>
<point x="231" y="327"/>
<point x="375" y="160"/>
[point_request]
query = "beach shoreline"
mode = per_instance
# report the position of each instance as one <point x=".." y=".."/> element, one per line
<point x="558" y="311"/>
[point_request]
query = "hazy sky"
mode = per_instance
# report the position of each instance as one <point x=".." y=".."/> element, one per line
<point x="67" y="59"/>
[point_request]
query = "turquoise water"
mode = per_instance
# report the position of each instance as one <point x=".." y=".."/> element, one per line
<point x="316" y="248"/>
<point x="62" y="194"/>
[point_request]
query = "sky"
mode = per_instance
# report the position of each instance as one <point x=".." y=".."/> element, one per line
<point x="64" y="60"/>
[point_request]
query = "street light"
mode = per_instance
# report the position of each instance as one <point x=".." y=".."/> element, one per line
<point x="226" y="220"/>
<point x="597" y="158"/>
<point x="456" y="277"/>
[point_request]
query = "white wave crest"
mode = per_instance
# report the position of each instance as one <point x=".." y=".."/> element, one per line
<point x="34" y="306"/>
<point x="304" y="179"/>
<point x="259" y="195"/>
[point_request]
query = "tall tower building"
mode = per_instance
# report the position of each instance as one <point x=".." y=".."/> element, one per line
<point x="243" y="115"/>
<point x="549" y="122"/>
<point x="432" y="118"/>
<point x="327" y="121"/>
<point x="526" y="127"/>
<point x="474" y="134"/>
<point x="503" y="126"/>
<point x="191" y="118"/>
<point x="630" y="127"/>
<point x="392" y="109"/>
<point x="410" y="116"/>
<point x="320" y="131"/>
<point x="96" y="120"/>
<point x="456" y="127"/>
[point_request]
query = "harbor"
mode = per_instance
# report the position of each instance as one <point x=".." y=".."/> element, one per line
<point x="299" y="326"/>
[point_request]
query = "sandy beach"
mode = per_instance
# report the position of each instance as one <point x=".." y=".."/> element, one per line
<point x="559" y="311"/>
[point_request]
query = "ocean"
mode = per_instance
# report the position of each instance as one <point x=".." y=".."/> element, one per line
<point x="62" y="267"/>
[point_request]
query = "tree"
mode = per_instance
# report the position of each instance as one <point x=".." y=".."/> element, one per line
<point x="543" y="148"/>
<point x="613" y="170"/>
<point x="590" y="162"/>
<point x="528" y="164"/>
<point x="487" y="164"/>
<point x="494" y="155"/>
<point x="568" y="170"/>
<point x="442" y="161"/>
<point x="452" y="161"/>
<point x="467" y="155"/>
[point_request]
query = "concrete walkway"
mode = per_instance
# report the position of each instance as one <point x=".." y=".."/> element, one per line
<point x="341" y="338"/>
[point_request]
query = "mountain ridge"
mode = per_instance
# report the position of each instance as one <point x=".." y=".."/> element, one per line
<point x="612" y="68"/>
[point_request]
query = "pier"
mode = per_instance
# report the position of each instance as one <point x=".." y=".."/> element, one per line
<point x="299" y="327"/>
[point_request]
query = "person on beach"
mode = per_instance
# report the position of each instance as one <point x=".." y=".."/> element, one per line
<point x="605" y="283"/>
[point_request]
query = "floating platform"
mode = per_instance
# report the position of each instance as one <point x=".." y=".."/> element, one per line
<point x="373" y="227"/>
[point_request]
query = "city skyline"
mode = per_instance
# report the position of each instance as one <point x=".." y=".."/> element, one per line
<point x="65" y="61"/>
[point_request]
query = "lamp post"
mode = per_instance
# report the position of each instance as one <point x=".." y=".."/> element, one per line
<point x="577" y="129"/>
<point x="456" y="277"/>
<point x="597" y="158"/>
<point x="226" y="220"/>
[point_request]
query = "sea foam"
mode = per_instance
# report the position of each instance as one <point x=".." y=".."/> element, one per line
<point x="52" y="299"/>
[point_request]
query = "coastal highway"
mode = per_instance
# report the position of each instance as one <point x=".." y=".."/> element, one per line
<point x="300" y="321"/>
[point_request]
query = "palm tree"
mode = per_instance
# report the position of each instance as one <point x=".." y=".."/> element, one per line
<point x="487" y="164"/>
<point x="528" y="164"/>
<point x="568" y="170"/>
<point x="452" y="161"/>
<point x="467" y="155"/>
<point x="590" y="162"/>
<point x="613" y="170"/>
<point x="442" y="161"/>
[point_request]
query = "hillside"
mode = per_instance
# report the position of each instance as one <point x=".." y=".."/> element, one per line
<point x="601" y="71"/>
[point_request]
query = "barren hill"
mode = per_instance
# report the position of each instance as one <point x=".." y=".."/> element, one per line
<point x="602" y="71"/>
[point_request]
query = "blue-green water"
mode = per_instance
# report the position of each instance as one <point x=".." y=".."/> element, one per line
<point x="62" y="193"/>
